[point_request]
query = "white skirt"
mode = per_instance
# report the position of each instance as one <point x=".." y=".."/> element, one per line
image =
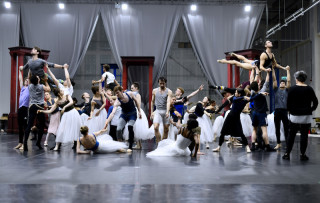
<point x="169" y="147"/>
<point x="217" y="125"/>
<point x="246" y="124"/>
<point x="206" y="129"/>
<point x="185" y="118"/>
<point x="107" y="144"/>
<point x="69" y="128"/>
<point x="272" y="129"/>
<point x="97" y="123"/>
<point x="140" y="128"/>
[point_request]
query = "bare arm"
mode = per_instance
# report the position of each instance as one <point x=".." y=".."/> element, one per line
<point x="275" y="64"/>
<point x="152" y="103"/>
<point x="79" y="151"/>
<point x="20" y="79"/>
<point x="137" y="103"/>
<point x="195" y="92"/>
<point x="115" y="106"/>
<point x="54" y="106"/>
<point x="66" y="73"/>
<point x="46" y="87"/>
<point x="197" y="142"/>
<point x="56" y="82"/>
<point x="168" y="102"/>
<point x="263" y="57"/>
<point x="288" y="77"/>
<point x="93" y="103"/>
<point x="68" y="105"/>
<point x="61" y="66"/>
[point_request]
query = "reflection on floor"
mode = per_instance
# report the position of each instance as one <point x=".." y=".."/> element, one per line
<point x="231" y="175"/>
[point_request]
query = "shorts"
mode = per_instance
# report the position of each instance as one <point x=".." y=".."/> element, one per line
<point x="160" y="116"/>
<point x="259" y="119"/>
<point x="129" y="116"/>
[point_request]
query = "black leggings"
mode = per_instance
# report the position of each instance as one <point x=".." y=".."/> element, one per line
<point x="294" y="128"/>
<point x="113" y="132"/>
<point x="22" y="121"/>
<point x="281" y="115"/>
<point x="40" y="123"/>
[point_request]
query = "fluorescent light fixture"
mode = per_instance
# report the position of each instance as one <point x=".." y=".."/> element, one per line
<point x="124" y="6"/>
<point x="117" y="5"/>
<point x="247" y="8"/>
<point x="7" y="4"/>
<point x="193" y="7"/>
<point x="61" y="5"/>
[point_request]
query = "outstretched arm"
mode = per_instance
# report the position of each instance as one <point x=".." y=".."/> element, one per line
<point x="56" y="82"/>
<point x="66" y="73"/>
<point x="195" y="92"/>
<point x="20" y="79"/>
<point x="115" y="106"/>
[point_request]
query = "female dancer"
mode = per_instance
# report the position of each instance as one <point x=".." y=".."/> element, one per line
<point x="232" y="125"/>
<point x="246" y="63"/>
<point x="98" y="113"/>
<point x="54" y="118"/>
<point x="187" y="134"/>
<point x="70" y="124"/>
<point x="98" y="143"/>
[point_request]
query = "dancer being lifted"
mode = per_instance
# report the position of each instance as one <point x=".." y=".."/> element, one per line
<point x="128" y="114"/>
<point x="108" y="78"/>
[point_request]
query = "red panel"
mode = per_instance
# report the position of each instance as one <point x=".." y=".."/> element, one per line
<point x="236" y="76"/>
<point x="13" y="83"/>
<point x="230" y="78"/>
<point x="125" y="76"/>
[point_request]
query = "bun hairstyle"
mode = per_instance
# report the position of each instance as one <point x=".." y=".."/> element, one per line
<point x="84" y="130"/>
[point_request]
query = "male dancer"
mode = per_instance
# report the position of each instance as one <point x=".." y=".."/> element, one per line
<point x="128" y="114"/>
<point x="161" y="98"/>
<point x="36" y="64"/>
<point x="281" y="112"/>
<point x="267" y="59"/>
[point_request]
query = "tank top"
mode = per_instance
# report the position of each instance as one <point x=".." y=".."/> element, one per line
<point x="268" y="62"/>
<point x="128" y="107"/>
<point x="64" y="104"/>
<point x="161" y="99"/>
<point x="99" y="103"/>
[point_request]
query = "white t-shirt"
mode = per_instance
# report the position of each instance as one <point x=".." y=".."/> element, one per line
<point x="66" y="90"/>
<point x="110" y="77"/>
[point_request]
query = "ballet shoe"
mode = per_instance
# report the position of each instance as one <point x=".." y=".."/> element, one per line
<point x="122" y="150"/>
<point x="248" y="149"/>
<point x="21" y="148"/>
<point x="278" y="146"/>
<point x="56" y="148"/>
<point x="129" y="150"/>
<point x="304" y="157"/>
<point x="18" y="146"/>
<point x="45" y="143"/>
<point x="216" y="149"/>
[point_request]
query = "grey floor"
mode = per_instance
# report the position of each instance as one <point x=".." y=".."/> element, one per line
<point x="229" y="176"/>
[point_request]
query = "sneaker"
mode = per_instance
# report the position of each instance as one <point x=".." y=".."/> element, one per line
<point x="269" y="149"/>
<point x="286" y="156"/>
<point x="304" y="157"/>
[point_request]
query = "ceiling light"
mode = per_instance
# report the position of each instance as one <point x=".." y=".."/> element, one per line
<point x="247" y="8"/>
<point x="61" y="5"/>
<point x="193" y="7"/>
<point x="124" y="6"/>
<point x="7" y="4"/>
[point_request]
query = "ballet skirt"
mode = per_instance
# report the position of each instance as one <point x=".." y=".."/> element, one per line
<point x="271" y="129"/>
<point x="150" y="131"/>
<point x="185" y="118"/>
<point x="107" y="144"/>
<point x="97" y="123"/>
<point x="246" y="124"/>
<point x="206" y="129"/>
<point x="69" y="128"/>
<point x="140" y="128"/>
<point x="54" y="123"/>
<point x="217" y="125"/>
<point x="169" y="147"/>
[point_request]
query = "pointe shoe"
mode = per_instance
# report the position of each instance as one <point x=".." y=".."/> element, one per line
<point x="129" y="150"/>
<point x="56" y="148"/>
<point x="207" y="146"/>
<point x="122" y="150"/>
<point x="21" y="148"/>
<point x="237" y="143"/>
<point x="18" y="146"/>
<point x="278" y="146"/>
<point x="216" y="149"/>
<point x="45" y="143"/>
<point x="248" y="149"/>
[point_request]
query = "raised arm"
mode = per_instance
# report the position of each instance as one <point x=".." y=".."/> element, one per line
<point x="195" y="92"/>
<point x="275" y="64"/>
<point x="66" y="73"/>
<point x="274" y="78"/>
<point x="56" y="82"/>
<point x="46" y="87"/>
<point x="288" y="77"/>
<point x="20" y="79"/>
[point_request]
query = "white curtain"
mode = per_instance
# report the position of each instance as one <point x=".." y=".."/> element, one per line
<point x="9" y="37"/>
<point x="142" y="30"/>
<point x="214" y="30"/>
<point x="65" y="32"/>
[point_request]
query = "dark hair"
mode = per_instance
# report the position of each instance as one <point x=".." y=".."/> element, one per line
<point x="283" y="81"/>
<point x="162" y="79"/>
<point x="267" y="40"/>
<point x="136" y="85"/>
<point x="84" y="130"/>
<point x="74" y="100"/>
<point x="193" y="116"/>
<point x="254" y="86"/>
<point x="38" y="50"/>
<point x="94" y="89"/>
<point x="301" y="76"/>
<point x="34" y="80"/>
<point x="223" y="93"/>
<point x="240" y="91"/>
<point x="72" y="82"/>
<point x="56" y="91"/>
<point x="212" y="101"/>
<point x="191" y="124"/>
<point x="106" y="67"/>
<point x="117" y="88"/>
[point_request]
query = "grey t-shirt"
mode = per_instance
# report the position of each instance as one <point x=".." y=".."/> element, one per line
<point x="36" y="93"/>
<point x="36" y="66"/>
<point x="281" y="97"/>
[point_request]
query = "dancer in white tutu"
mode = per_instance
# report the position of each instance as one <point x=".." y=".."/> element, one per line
<point x="272" y="130"/>
<point x="232" y="124"/>
<point x="98" y="143"/>
<point x="187" y="134"/>
<point x="67" y="86"/>
<point x="98" y="113"/>
<point x="70" y="123"/>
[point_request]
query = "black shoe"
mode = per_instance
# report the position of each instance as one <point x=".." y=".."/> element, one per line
<point x="304" y="157"/>
<point x="25" y="147"/>
<point x="286" y="156"/>
<point x="39" y="146"/>
<point x="253" y="147"/>
<point x="34" y="138"/>
<point x="269" y="149"/>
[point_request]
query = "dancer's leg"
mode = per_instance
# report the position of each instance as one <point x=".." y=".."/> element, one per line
<point x="246" y="66"/>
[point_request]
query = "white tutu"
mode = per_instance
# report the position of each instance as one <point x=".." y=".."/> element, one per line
<point x="69" y="128"/>
<point x="140" y="128"/>
<point x="206" y="129"/>
<point x="84" y="119"/>
<point x="272" y="129"/>
<point x="169" y="147"/>
<point x="97" y="123"/>
<point x="107" y="145"/>
<point x="185" y="118"/>
<point x="173" y="131"/>
<point x="246" y="124"/>
<point x="151" y="131"/>
<point x="217" y="125"/>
